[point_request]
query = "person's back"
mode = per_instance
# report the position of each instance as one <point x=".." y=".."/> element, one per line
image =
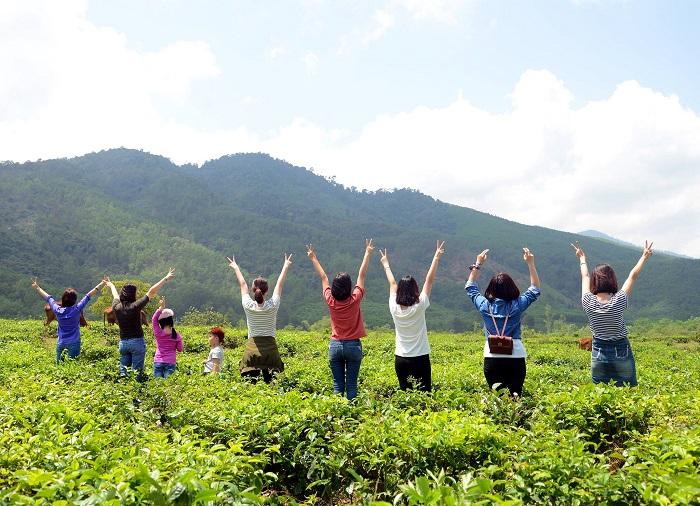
<point x="606" y="317"/>
<point x="128" y="315"/>
<point x="410" y="327"/>
<point x="68" y="319"/>
<point x="346" y="314"/>
<point x="261" y="318"/>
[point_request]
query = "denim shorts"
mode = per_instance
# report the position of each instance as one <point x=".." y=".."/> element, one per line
<point x="613" y="361"/>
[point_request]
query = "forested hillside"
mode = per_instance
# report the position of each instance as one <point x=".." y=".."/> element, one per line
<point x="132" y="214"/>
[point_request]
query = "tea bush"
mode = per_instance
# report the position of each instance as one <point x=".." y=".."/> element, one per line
<point x="75" y="433"/>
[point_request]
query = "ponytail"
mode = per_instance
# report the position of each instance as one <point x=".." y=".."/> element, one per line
<point x="258" y="296"/>
<point x="260" y="289"/>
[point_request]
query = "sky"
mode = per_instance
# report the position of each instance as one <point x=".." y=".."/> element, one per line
<point x="569" y="114"/>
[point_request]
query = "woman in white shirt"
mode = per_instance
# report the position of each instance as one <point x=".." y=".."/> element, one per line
<point x="407" y="306"/>
<point x="261" y="355"/>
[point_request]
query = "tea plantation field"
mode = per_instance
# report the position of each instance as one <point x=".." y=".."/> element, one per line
<point x="75" y="433"/>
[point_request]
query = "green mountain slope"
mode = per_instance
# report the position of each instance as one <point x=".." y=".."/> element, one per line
<point x="126" y="212"/>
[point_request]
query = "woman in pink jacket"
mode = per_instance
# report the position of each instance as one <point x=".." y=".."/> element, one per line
<point x="168" y="342"/>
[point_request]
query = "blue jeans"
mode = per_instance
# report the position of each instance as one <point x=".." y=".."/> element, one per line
<point x="344" y="357"/>
<point x="73" y="350"/>
<point x="162" y="370"/>
<point x="132" y="353"/>
<point x="613" y="360"/>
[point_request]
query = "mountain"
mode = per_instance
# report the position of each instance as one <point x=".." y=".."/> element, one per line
<point x="130" y="213"/>
<point x="600" y="235"/>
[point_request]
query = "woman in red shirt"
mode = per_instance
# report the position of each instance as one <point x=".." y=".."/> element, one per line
<point x="345" y="350"/>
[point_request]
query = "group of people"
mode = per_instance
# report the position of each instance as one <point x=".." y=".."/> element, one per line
<point x="501" y="307"/>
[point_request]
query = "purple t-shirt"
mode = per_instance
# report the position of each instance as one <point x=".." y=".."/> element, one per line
<point x="166" y="346"/>
<point x="68" y="319"/>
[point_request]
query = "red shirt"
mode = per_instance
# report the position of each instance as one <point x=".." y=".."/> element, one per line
<point x="346" y="317"/>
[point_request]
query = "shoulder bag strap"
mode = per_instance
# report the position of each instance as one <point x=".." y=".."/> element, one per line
<point x="503" y="332"/>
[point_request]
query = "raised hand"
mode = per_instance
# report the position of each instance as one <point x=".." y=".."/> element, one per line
<point x="579" y="250"/>
<point x="528" y="256"/>
<point x="171" y="274"/>
<point x="310" y="251"/>
<point x="232" y="262"/>
<point x="440" y="249"/>
<point x="647" y="249"/>
<point x="384" y="257"/>
<point x="482" y="257"/>
<point x="288" y="259"/>
<point x="161" y="303"/>
<point x="106" y="280"/>
<point x="369" y="247"/>
<point x="35" y="284"/>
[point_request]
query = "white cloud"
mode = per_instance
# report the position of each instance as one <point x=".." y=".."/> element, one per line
<point x="310" y="61"/>
<point x="383" y="21"/>
<point x="277" y="52"/>
<point x="626" y="165"/>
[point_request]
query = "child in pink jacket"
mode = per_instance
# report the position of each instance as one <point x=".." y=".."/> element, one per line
<point x="168" y="342"/>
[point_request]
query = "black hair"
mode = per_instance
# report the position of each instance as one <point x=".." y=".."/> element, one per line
<point x="502" y="287"/>
<point x="260" y="288"/>
<point x="128" y="293"/>
<point x="168" y="322"/>
<point x="407" y="292"/>
<point x="341" y="288"/>
<point x="69" y="297"/>
<point x="603" y="280"/>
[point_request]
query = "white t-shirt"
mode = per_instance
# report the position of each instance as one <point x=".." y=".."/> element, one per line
<point x="215" y="352"/>
<point x="411" y="330"/>
<point x="262" y="320"/>
<point x="518" y="350"/>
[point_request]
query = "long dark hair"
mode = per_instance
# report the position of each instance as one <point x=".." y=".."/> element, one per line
<point x="341" y="288"/>
<point x="69" y="297"/>
<point x="603" y="280"/>
<point x="168" y="322"/>
<point x="502" y="287"/>
<point x="407" y="292"/>
<point x="128" y="293"/>
<point x="260" y="289"/>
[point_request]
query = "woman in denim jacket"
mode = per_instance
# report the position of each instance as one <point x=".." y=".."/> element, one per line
<point x="503" y="303"/>
<point x="604" y="304"/>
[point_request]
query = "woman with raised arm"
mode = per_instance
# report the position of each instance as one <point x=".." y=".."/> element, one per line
<point x="407" y="306"/>
<point x="261" y="355"/>
<point x="604" y="304"/>
<point x="127" y="309"/>
<point x="347" y="326"/>
<point x="68" y="318"/>
<point x="501" y="308"/>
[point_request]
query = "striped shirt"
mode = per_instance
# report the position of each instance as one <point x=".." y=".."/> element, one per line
<point x="606" y="318"/>
<point x="262" y="320"/>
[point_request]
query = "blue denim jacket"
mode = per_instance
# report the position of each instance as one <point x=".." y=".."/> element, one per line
<point x="499" y="308"/>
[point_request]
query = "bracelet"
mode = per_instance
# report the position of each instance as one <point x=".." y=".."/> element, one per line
<point x="582" y="263"/>
<point x="474" y="266"/>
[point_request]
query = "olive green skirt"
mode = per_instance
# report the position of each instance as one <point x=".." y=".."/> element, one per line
<point x="261" y="353"/>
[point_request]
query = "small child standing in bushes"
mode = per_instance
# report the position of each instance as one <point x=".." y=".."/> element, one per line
<point x="215" y="361"/>
<point x="168" y="341"/>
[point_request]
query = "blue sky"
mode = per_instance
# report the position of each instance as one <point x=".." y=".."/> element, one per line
<point x="570" y="114"/>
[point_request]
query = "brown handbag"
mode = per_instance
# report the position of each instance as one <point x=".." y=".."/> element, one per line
<point x="500" y="344"/>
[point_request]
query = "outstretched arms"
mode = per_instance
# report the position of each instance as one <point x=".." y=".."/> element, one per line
<point x="384" y="259"/>
<point x="530" y="261"/>
<point x="110" y="285"/>
<point x="637" y="269"/>
<point x="480" y="260"/>
<point x="317" y="266"/>
<point x="585" y="279"/>
<point x="369" y="249"/>
<point x="39" y="290"/>
<point x="153" y="291"/>
<point x="97" y="288"/>
<point x="430" y="277"/>
<point x="241" y="280"/>
<point x="283" y="276"/>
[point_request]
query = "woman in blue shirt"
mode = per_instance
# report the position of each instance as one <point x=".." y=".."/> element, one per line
<point x="501" y="308"/>
<point x="68" y="318"/>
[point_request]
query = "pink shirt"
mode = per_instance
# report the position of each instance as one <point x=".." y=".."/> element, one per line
<point x="346" y="317"/>
<point x="166" y="346"/>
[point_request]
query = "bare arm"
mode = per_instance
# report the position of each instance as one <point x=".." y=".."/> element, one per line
<point x="283" y="276"/>
<point x="216" y="365"/>
<point x="384" y="259"/>
<point x="241" y="280"/>
<point x="153" y="291"/>
<point x="39" y="290"/>
<point x="110" y="285"/>
<point x="637" y="269"/>
<point x="430" y="277"/>
<point x="480" y="261"/>
<point x="317" y="266"/>
<point x="585" y="279"/>
<point x="530" y="261"/>
<point x="92" y="292"/>
<point x="369" y="249"/>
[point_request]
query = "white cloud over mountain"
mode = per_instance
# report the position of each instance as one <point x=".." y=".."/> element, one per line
<point x="626" y="165"/>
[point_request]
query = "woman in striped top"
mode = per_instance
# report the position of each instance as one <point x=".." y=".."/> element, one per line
<point x="611" y="357"/>
<point x="261" y="355"/>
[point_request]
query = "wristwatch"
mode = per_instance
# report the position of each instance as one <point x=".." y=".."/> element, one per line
<point x="474" y="266"/>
